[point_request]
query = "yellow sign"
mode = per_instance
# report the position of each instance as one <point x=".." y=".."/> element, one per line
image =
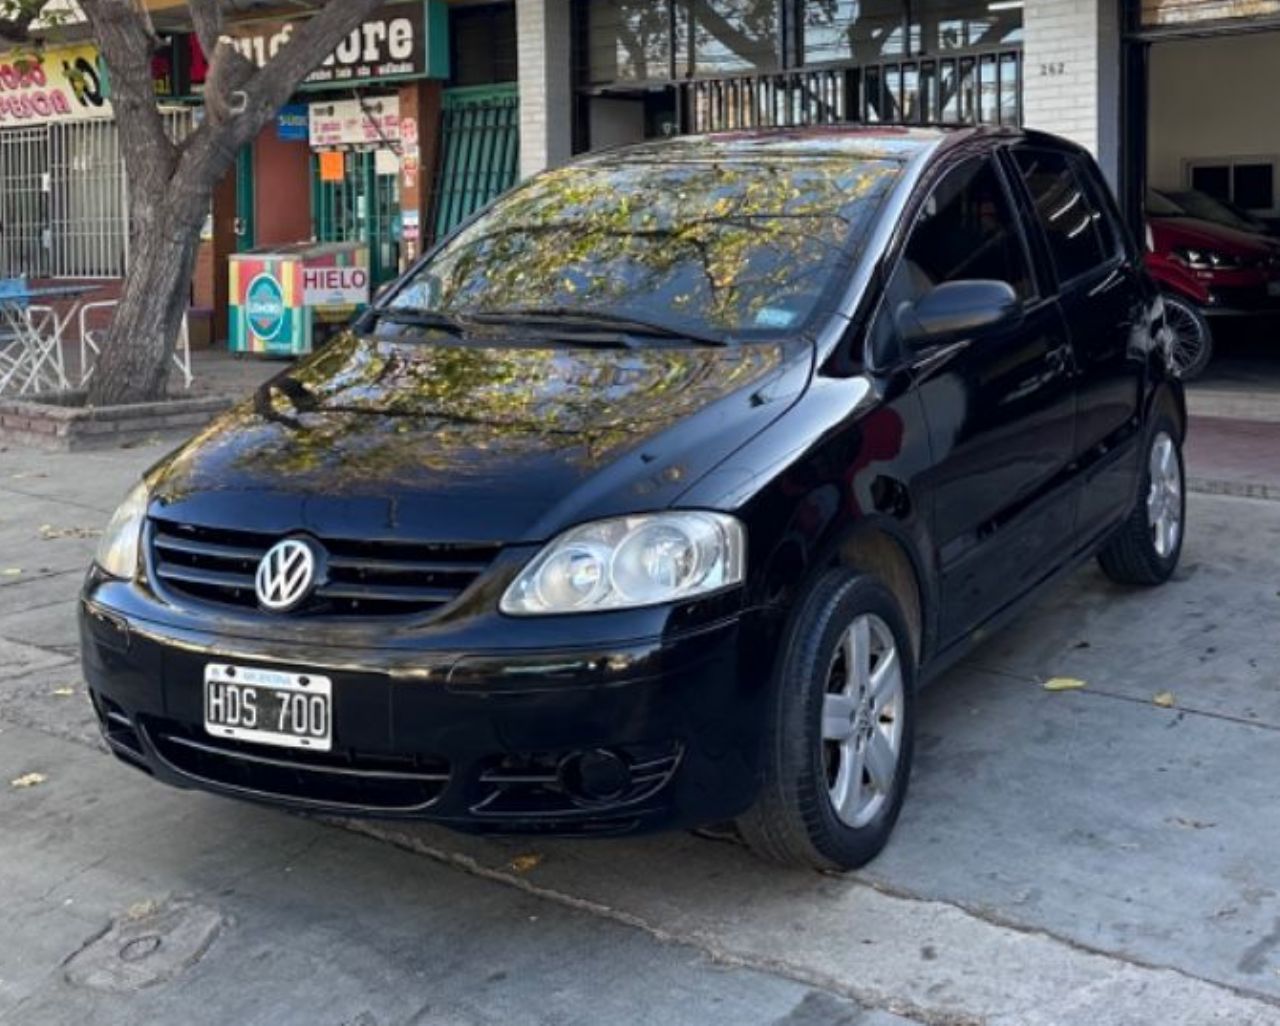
<point x="60" y="84"/>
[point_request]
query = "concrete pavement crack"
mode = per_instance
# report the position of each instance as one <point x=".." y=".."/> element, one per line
<point x="720" y="956"/>
<point x="871" y="1000"/>
<point x="62" y="500"/>
<point x="1098" y="692"/>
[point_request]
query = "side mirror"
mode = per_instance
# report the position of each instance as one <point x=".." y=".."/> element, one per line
<point x="957" y="308"/>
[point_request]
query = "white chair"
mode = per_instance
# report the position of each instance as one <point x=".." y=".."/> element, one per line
<point x="91" y="340"/>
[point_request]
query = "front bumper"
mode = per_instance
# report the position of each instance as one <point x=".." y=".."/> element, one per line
<point x="487" y="742"/>
<point x="1241" y="301"/>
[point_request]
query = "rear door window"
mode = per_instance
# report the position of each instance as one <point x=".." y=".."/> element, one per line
<point x="1080" y="239"/>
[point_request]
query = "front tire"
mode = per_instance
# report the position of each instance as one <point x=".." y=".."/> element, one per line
<point x="840" y="749"/>
<point x="1146" y="549"/>
<point x="1191" y="346"/>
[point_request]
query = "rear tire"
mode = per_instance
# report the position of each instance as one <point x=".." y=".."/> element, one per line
<point x="1192" y="343"/>
<point x="1146" y="549"/>
<point x="839" y="754"/>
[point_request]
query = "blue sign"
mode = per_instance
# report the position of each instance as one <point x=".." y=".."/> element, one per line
<point x="264" y="306"/>
<point x="291" y="123"/>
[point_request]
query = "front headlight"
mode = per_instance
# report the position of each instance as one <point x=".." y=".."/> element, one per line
<point x="625" y="562"/>
<point x="118" y="549"/>
<point x="1206" y="259"/>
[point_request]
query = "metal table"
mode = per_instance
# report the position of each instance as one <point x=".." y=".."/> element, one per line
<point x="31" y="331"/>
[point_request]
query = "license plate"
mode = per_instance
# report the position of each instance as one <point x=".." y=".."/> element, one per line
<point x="290" y="710"/>
<point x="1273" y="288"/>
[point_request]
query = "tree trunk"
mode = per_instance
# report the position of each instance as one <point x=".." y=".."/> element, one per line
<point x="171" y="185"/>
<point x="145" y="327"/>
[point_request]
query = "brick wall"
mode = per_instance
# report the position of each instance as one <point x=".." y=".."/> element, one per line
<point x="543" y="48"/>
<point x="1071" y="73"/>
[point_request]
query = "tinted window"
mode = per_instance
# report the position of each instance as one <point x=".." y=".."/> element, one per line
<point x="1067" y="210"/>
<point x="1110" y="230"/>
<point x="706" y="240"/>
<point x="966" y="229"/>
<point x="1253" y="186"/>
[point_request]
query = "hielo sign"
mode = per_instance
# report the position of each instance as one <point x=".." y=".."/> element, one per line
<point x="335" y="286"/>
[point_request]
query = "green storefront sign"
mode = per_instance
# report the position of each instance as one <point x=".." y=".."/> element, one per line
<point x="399" y="41"/>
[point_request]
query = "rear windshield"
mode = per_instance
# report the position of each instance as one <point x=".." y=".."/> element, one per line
<point x="721" y="245"/>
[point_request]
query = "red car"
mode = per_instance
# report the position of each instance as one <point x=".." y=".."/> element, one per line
<point x="1206" y="269"/>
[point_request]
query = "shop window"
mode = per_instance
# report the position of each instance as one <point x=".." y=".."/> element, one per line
<point x="939" y="26"/>
<point x="1246" y="183"/>
<point x="628" y="41"/>
<point x="728" y="36"/>
<point x="851" y="30"/>
<point x="483" y="44"/>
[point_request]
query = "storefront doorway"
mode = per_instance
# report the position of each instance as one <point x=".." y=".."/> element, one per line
<point x="358" y="200"/>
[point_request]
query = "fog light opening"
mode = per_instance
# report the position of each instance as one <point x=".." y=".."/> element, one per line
<point x="597" y="776"/>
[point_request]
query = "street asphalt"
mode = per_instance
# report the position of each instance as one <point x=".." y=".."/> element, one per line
<point x="1091" y="857"/>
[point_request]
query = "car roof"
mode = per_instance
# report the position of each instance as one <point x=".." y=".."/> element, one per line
<point x="856" y="141"/>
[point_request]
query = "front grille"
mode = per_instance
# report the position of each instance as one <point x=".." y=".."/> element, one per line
<point x="349" y="779"/>
<point x="360" y="578"/>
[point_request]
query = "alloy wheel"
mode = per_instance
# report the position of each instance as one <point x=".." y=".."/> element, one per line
<point x="1164" y="496"/>
<point x="862" y="720"/>
<point x="1189" y="338"/>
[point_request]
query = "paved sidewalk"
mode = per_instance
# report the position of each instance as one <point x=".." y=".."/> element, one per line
<point x="1234" y="457"/>
<point x="1069" y="858"/>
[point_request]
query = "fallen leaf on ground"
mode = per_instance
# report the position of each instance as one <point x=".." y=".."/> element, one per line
<point x="28" y="780"/>
<point x="1165" y="700"/>
<point x="524" y="863"/>
<point x="1063" y="684"/>
<point x="48" y="532"/>
<point x="142" y="909"/>
<point x="64" y="692"/>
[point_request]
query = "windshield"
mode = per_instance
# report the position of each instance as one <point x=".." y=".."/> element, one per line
<point x="1204" y="206"/>
<point x="1160" y="205"/>
<point x="715" y="245"/>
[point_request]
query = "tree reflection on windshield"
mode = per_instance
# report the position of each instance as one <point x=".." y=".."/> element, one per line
<point x="715" y="241"/>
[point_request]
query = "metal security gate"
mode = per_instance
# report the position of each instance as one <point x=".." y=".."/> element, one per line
<point x="64" y="210"/>
<point x="363" y="206"/>
<point x="479" y="151"/>
<point x="24" y="202"/>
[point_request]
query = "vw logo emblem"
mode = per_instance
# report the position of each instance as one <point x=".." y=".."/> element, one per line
<point x="286" y="575"/>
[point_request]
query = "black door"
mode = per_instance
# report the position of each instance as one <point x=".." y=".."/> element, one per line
<point x="1103" y="301"/>
<point x="1000" y="404"/>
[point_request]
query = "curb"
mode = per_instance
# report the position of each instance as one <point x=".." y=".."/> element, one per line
<point x="1237" y="489"/>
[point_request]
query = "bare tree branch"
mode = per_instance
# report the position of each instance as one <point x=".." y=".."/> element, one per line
<point x="206" y="17"/>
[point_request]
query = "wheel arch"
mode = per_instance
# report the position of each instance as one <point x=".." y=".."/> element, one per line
<point x="880" y="549"/>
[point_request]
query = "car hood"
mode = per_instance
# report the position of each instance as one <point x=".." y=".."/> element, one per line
<point x="1170" y="232"/>
<point x="490" y="442"/>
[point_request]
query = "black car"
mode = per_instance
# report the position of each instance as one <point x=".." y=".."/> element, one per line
<point x="650" y="496"/>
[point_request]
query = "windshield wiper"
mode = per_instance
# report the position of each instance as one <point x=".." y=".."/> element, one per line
<point x="418" y="318"/>
<point x="571" y="317"/>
